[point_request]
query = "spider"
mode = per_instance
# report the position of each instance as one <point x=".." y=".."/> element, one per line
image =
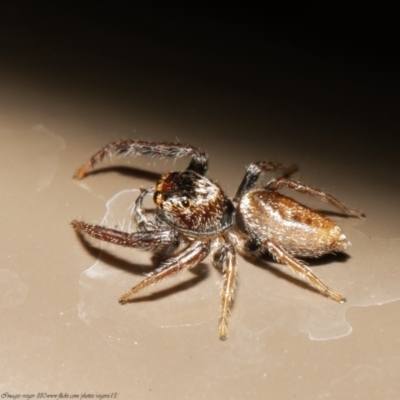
<point x="194" y="218"/>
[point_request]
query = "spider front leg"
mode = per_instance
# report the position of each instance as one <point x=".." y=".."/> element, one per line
<point x="297" y="266"/>
<point x="146" y="240"/>
<point x="188" y="258"/>
<point x="225" y="261"/>
<point x="130" y="147"/>
<point x="276" y="184"/>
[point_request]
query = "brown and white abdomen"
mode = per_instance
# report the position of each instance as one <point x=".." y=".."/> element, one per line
<point x="267" y="215"/>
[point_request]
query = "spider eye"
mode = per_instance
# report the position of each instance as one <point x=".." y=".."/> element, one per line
<point x="185" y="202"/>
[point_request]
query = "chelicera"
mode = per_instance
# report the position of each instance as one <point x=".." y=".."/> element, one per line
<point x="194" y="218"/>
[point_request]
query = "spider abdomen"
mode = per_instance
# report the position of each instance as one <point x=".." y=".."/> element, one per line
<point x="268" y="215"/>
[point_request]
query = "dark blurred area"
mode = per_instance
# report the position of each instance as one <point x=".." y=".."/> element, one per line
<point x="301" y="63"/>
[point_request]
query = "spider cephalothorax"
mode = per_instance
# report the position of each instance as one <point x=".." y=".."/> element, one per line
<point x="193" y="204"/>
<point x="194" y="217"/>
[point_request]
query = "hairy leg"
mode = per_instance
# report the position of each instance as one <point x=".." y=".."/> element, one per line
<point x="225" y="261"/>
<point x="275" y="184"/>
<point x="128" y="147"/>
<point x="188" y="258"/>
<point x="297" y="266"/>
<point x="256" y="170"/>
<point x="146" y="240"/>
<point x="143" y="223"/>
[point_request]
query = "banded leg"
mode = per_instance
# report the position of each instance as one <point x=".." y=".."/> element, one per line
<point x="256" y="170"/>
<point x="225" y="261"/>
<point x="143" y="223"/>
<point x="275" y="184"/>
<point x="128" y="147"/>
<point x="146" y="240"/>
<point x="188" y="258"/>
<point x="297" y="266"/>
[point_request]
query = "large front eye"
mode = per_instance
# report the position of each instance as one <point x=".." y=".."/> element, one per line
<point x="185" y="202"/>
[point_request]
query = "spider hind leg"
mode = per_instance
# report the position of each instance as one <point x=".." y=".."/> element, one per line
<point x="305" y="272"/>
<point x="297" y="186"/>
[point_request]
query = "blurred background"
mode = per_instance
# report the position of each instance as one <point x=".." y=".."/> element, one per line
<point x="326" y="73"/>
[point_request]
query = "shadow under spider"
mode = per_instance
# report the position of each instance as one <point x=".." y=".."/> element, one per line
<point x="331" y="213"/>
<point x="201" y="271"/>
<point x="112" y="260"/>
<point x="132" y="172"/>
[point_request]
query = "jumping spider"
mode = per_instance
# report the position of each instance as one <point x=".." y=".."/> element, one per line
<point x="194" y="218"/>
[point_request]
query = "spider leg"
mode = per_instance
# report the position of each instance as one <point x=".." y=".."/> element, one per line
<point x="275" y="184"/>
<point x="225" y="261"/>
<point x="188" y="258"/>
<point x="143" y="223"/>
<point x="130" y="147"/>
<point x="256" y="170"/>
<point x="146" y="240"/>
<point x="299" y="267"/>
